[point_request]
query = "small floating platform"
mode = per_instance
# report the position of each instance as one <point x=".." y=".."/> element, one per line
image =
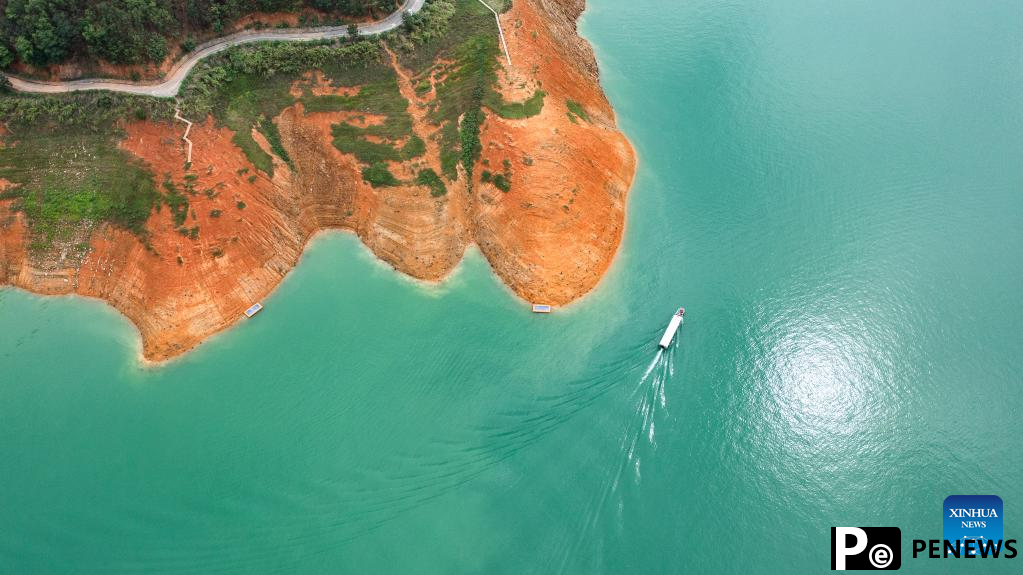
<point x="541" y="308"/>
<point x="254" y="309"/>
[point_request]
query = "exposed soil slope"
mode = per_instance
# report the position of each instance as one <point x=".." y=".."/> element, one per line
<point x="550" y="237"/>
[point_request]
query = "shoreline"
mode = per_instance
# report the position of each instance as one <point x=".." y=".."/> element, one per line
<point x="541" y="262"/>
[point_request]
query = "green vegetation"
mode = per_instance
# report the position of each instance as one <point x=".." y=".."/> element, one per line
<point x="240" y="205"/>
<point x="502" y="183"/>
<point x="519" y="110"/>
<point x="378" y="176"/>
<point x="463" y="33"/>
<point x="576" y="110"/>
<point x="273" y="137"/>
<point x="82" y="112"/>
<point x="378" y="142"/>
<point x="430" y="179"/>
<point x="351" y="140"/>
<point x="68" y="181"/>
<point x="176" y="201"/>
<point x="414" y="148"/>
<point x="248" y="102"/>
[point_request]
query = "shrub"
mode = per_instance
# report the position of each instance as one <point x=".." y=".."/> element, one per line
<point x="378" y="176"/>
<point x="502" y="183"/>
<point x="430" y="179"/>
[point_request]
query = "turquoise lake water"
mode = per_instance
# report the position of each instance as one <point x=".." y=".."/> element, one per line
<point x="831" y="188"/>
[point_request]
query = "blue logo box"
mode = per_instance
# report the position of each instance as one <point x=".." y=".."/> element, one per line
<point x="976" y="517"/>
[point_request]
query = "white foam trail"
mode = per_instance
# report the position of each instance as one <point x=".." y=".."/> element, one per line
<point x="649" y="369"/>
<point x="652" y="384"/>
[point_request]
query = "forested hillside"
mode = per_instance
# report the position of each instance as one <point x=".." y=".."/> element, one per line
<point x="45" y="32"/>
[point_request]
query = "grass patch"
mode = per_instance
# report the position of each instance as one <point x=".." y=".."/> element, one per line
<point x="576" y="110"/>
<point x="352" y="140"/>
<point x="378" y="176"/>
<point x="381" y="98"/>
<point x="518" y="110"/>
<point x="273" y="137"/>
<point x="430" y="179"/>
<point x="414" y="148"/>
<point x="68" y="180"/>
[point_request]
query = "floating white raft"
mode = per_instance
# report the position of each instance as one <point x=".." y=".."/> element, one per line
<point x="253" y="310"/>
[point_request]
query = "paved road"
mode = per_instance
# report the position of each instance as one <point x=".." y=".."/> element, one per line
<point x="169" y="86"/>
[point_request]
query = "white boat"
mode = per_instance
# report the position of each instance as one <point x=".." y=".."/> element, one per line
<point x="676" y="320"/>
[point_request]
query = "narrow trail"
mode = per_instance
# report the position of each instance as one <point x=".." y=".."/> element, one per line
<point x="177" y="116"/>
<point x="500" y="31"/>
<point x="169" y="87"/>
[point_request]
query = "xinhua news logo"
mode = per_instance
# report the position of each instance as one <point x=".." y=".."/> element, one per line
<point x="866" y="548"/>
<point x="971" y="529"/>
<point x="973" y="518"/>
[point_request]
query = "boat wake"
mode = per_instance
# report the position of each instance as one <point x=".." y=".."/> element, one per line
<point x="649" y="397"/>
<point x="637" y="439"/>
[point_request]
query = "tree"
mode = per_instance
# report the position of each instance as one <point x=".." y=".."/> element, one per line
<point x="127" y="31"/>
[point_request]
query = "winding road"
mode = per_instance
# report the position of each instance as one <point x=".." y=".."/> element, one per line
<point x="169" y="87"/>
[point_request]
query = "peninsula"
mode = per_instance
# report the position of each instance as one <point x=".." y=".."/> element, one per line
<point x="421" y="140"/>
